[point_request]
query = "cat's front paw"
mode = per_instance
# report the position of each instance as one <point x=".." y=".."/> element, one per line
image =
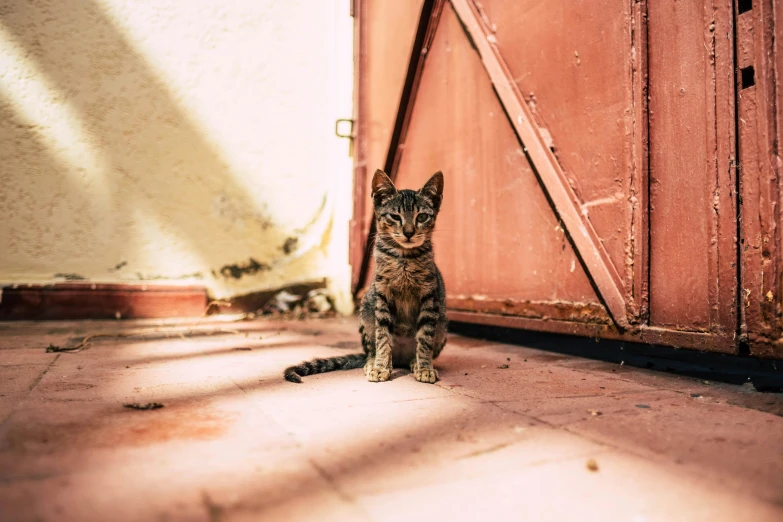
<point x="378" y="375"/>
<point x="368" y="367"/>
<point x="428" y="375"/>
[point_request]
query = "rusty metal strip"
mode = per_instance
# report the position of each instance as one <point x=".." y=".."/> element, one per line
<point x="678" y="339"/>
<point x="588" y="313"/>
<point x="428" y="22"/>
<point x="565" y="202"/>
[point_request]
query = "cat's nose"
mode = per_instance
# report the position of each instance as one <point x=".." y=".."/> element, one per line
<point x="408" y="233"/>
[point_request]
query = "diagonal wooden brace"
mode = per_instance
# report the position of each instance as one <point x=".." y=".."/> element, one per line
<point x="597" y="263"/>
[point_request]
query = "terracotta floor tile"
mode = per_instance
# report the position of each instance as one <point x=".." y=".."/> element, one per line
<point x="234" y="441"/>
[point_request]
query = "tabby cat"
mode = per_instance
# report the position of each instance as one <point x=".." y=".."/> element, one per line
<point x="403" y="314"/>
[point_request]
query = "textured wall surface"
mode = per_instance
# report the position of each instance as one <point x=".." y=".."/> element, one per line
<point x="167" y="140"/>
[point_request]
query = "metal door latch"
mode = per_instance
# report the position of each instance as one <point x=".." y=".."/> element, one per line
<point x="338" y="127"/>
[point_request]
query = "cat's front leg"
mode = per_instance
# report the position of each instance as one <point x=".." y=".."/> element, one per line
<point x="425" y="339"/>
<point x="368" y="344"/>
<point x="384" y="326"/>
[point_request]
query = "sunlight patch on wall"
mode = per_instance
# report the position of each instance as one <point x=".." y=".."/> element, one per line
<point x="162" y="140"/>
<point x="53" y="122"/>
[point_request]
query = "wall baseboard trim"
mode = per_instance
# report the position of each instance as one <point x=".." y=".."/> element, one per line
<point x="69" y="301"/>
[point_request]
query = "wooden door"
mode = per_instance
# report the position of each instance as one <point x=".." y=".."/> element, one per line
<point x="589" y="149"/>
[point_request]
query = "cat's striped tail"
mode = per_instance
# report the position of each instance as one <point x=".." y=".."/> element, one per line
<point x="340" y="362"/>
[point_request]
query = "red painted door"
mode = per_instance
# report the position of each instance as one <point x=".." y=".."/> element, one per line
<point x="590" y="154"/>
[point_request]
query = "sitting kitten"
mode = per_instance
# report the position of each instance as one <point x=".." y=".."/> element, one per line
<point x="403" y="314"/>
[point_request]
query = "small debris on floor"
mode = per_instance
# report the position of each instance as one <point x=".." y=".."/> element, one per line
<point x="519" y="429"/>
<point x="214" y="510"/>
<point x="592" y="465"/>
<point x="57" y="349"/>
<point x="83" y="344"/>
<point x="594" y="413"/>
<point x="316" y="303"/>
<point x="348" y="345"/>
<point x="696" y="395"/>
<point x="502" y="366"/>
<point x="148" y="406"/>
<point x="282" y="302"/>
<point x="508" y="359"/>
<point x="319" y="302"/>
<point x="643" y="406"/>
<point x="243" y="349"/>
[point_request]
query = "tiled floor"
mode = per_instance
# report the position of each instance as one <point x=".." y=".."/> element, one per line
<point x="236" y="442"/>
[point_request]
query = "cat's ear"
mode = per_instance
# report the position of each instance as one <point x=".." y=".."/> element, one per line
<point x="382" y="187"/>
<point x="433" y="190"/>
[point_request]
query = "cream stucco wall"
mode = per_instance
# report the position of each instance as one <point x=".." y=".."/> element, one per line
<point x="164" y="140"/>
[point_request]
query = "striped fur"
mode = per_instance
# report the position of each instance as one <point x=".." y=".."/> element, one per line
<point x="403" y="314"/>
<point x="342" y="362"/>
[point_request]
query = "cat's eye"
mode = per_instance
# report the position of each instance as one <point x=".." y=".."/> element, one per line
<point x="422" y="218"/>
<point x="394" y="217"/>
